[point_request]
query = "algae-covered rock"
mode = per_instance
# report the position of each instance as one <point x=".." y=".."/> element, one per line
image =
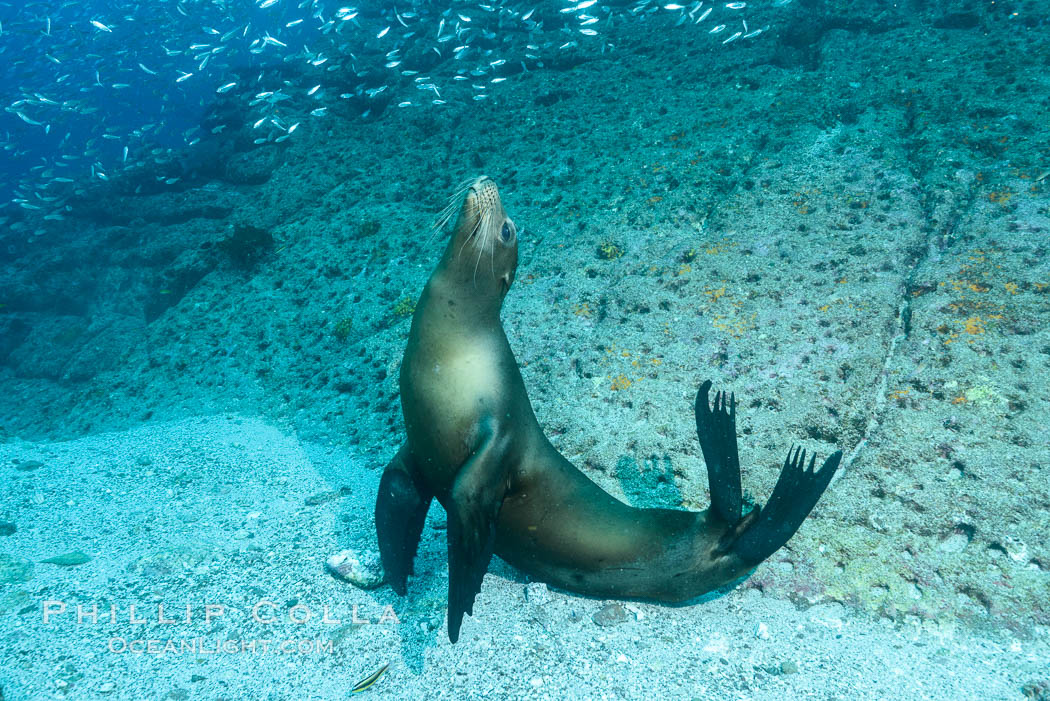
<point x="70" y="559"/>
<point x="174" y="561"/>
<point x="17" y="600"/>
<point x="14" y="569"/>
<point x="361" y="569"/>
<point x="247" y="244"/>
<point x="322" y="497"/>
<point x="610" y="615"/>
<point x="252" y="168"/>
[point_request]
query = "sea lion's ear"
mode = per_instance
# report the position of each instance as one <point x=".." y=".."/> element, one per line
<point x="473" y="509"/>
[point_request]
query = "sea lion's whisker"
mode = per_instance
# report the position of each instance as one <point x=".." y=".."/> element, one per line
<point x="450" y="208"/>
<point x="469" y="237"/>
<point x="483" y="229"/>
<point x="476" y="264"/>
<point x="441" y="220"/>
<point x="492" y="260"/>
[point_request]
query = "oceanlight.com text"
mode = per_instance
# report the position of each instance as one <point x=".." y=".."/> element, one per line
<point x="219" y="646"/>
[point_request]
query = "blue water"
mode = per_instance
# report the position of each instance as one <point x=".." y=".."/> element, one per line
<point x="119" y="89"/>
<point x="91" y="87"/>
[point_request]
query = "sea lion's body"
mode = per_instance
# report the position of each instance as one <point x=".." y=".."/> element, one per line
<point x="554" y="523"/>
<point x="474" y="444"/>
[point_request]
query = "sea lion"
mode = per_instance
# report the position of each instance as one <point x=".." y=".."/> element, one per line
<point x="474" y="444"/>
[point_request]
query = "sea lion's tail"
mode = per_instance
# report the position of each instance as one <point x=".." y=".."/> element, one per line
<point x="795" y="495"/>
<point x="762" y="531"/>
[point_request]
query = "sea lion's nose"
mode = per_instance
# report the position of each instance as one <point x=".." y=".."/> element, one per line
<point x="485" y="186"/>
<point x="480" y="184"/>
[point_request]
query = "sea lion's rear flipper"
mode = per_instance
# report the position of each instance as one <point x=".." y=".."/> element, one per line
<point x="401" y="509"/>
<point x="795" y="495"/>
<point x="717" y="433"/>
<point x="473" y="509"/>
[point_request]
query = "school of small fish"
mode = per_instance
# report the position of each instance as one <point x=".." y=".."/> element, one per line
<point x="96" y="88"/>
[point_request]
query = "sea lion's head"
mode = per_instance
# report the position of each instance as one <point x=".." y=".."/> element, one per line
<point x="482" y="254"/>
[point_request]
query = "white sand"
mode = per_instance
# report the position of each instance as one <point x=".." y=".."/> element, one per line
<point x="212" y="511"/>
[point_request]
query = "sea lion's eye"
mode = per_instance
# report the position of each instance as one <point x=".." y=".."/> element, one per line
<point x="505" y="233"/>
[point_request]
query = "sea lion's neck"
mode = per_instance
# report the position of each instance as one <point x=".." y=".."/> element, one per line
<point x="464" y="302"/>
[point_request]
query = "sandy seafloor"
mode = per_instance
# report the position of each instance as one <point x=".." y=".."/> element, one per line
<point x="845" y="223"/>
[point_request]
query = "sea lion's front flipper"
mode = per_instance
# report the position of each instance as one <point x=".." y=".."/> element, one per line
<point x="401" y="509"/>
<point x="473" y="508"/>
<point x="717" y="433"/>
<point x="795" y="495"/>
